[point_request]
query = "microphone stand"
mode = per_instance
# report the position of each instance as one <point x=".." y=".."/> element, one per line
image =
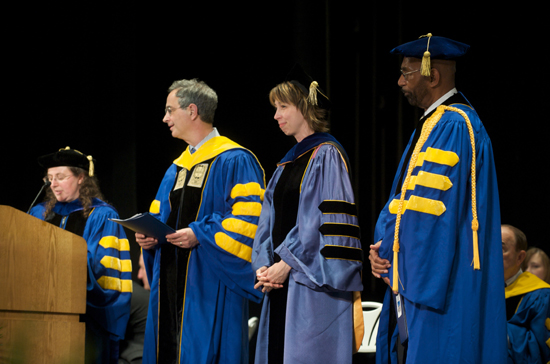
<point x="46" y="184"/>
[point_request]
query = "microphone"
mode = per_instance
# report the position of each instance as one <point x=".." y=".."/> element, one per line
<point x="46" y="184"/>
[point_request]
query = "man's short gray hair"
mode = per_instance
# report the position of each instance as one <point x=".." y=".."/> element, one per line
<point x="198" y="93"/>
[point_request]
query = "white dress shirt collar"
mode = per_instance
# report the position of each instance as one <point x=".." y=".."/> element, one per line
<point x="440" y="101"/>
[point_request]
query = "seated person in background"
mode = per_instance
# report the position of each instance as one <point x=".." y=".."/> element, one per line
<point x="537" y="262"/>
<point x="527" y="303"/>
<point x="131" y="348"/>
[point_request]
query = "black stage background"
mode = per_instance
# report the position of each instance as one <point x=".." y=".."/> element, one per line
<point x="95" y="79"/>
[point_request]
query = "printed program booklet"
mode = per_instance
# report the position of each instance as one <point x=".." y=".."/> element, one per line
<point x="148" y="225"/>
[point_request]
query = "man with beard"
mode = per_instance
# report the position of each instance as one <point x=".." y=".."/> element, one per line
<point x="438" y="243"/>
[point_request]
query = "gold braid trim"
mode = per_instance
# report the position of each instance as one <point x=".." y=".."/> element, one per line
<point x="425" y="133"/>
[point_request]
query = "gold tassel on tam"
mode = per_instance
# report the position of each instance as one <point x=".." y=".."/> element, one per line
<point x="91" y="171"/>
<point x="89" y="157"/>
<point x="425" y="69"/>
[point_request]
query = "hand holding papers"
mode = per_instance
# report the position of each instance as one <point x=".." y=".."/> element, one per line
<point x="148" y="225"/>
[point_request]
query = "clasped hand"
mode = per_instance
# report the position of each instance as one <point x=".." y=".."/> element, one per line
<point x="272" y="277"/>
<point x="378" y="265"/>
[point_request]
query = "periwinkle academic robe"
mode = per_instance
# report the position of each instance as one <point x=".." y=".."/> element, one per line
<point x="529" y="327"/>
<point x="109" y="287"/>
<point x="217" y="192"/>
<point x="455" y="314"/>
<point x="324" y="251"/>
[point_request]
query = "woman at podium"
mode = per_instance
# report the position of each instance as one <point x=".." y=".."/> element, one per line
<point x="74" y="203"/>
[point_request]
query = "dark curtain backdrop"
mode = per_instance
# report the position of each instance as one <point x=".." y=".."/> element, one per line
<point x="95" y="79"/>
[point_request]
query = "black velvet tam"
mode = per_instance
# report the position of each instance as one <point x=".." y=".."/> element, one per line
<point x="67" y="158"/>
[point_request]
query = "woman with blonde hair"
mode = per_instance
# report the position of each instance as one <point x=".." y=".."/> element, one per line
<point x="537" y="262"/>
<point x="307" y="253"/>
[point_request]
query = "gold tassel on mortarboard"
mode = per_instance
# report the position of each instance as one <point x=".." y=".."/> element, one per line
<point x="313" y="90"/>
<point x="425" y="69"/>
<point x="312" y="97"/>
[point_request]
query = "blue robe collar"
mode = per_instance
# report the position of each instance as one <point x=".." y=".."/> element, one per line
<point x="66" y="208"/>
<point x="308" y="143"/>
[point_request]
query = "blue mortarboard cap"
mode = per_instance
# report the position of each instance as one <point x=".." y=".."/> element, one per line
<point x="428" y="46"/>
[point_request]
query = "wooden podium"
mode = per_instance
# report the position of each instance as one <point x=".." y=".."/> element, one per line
<point x="42" y="291"/>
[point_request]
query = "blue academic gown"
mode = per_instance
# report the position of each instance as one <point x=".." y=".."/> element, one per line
<point x="455" y="314"/>
<point x="109" y="288"/>
<point x="529" y="328"/>
<point x="326" y="264"/>
<point x="220" y="280"/>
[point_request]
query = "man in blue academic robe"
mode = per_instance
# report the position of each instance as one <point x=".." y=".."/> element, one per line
<point x="527" y="304"/>
<point x="201" y="278"/>
<point x="437" y="240"/>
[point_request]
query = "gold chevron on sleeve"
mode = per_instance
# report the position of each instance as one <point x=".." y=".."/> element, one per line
<point x="438" y="156"/>
<point x="115" y="243"/>
<point x="247" y="189"/>
<point x="115" y="284"/>
<point x="420" y="204"/>
<point x="247" y="208"/>
<point x="122" y="265"/>
<point x="431" y="180"/>
<point x="233" y="246"/>
<point x="240" y="227"/>
<point x="155" y="207"/>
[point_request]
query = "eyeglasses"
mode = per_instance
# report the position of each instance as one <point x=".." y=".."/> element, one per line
<point x="58" y="178"/>
<point x="169" y="110"/>
<point x="406" y="74"/>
